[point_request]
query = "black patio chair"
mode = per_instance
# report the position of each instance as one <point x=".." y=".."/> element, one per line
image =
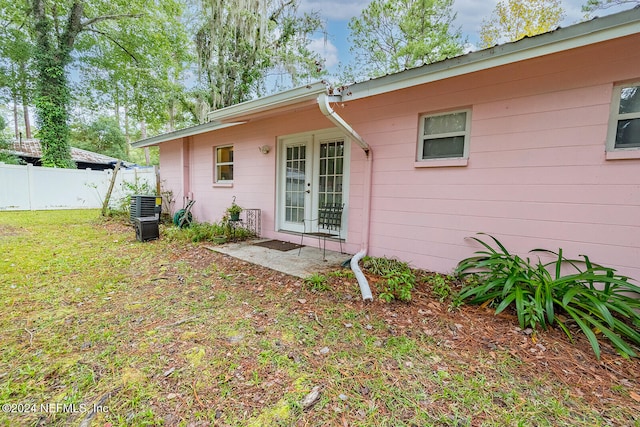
<point x="329" y="225"/>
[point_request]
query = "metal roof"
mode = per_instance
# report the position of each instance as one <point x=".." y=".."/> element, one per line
<point x="32" y="148"/>
<point x="578" y="35"/>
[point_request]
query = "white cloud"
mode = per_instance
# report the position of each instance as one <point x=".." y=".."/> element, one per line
<point x="327" y="50"/>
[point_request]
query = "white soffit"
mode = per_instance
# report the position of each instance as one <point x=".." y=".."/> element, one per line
<point x="182" y="133"/>
<point x="282" y="99"/>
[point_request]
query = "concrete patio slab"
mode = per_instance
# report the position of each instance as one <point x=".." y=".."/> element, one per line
<point x="308" y="262"/>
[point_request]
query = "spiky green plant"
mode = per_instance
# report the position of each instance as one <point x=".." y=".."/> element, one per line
<point x="596" y="298"/>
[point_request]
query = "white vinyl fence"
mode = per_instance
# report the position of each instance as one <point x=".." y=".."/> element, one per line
<point x="39" y="188"/>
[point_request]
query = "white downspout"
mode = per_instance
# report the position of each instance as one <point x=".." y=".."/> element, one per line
<point x="323" y="102"/>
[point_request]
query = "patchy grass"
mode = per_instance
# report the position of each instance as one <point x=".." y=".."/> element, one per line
<point x="168" y="333"/>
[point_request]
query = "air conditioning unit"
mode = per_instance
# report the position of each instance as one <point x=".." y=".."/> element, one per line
<point x="147" y="228"/>
<point x="145" y="206"/>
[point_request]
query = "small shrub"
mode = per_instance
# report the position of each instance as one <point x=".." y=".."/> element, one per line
<point x="439" y="286"/>
<point x="317" y="282"/>
<point x="399" y="280"/>
<point x="217" y="232"/>
<point x="344" y="274"/>
<point x="398" y="285"/>
<point x="594" y="297"/>
<point x="202" y="232"/>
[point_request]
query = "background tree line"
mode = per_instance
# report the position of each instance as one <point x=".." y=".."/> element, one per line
<point x="100" y="74"/>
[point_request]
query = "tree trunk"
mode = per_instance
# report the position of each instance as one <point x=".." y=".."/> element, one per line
<point x="15" y="119"/>
<point x="143" y="135"/>
<point x="24" y="91"/>
<point x="172" y="115"/>
<point x="27" y="120"/>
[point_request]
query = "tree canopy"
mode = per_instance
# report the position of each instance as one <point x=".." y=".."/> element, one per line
<point x="393" y="35"/>
<point x="512" y="20"/>
<point x="156" y="65"/>
<point x="242" y="43"/>
<point x="593" y="5"/>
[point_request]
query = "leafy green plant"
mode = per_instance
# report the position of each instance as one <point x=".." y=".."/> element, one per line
<point x="234" y="210"/>
<point x="317" y="282"/>
<point x="439" y="286"/>
<point x="399" y="280"/>
<point x="344" y="274"/>
<point x="398" y="285"/>
<point x="381" y="266"/>
<point x="597" y="299"/>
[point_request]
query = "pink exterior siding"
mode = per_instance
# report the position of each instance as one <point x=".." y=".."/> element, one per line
<point x="254" y="183"/>
<point x="536" y="176"/>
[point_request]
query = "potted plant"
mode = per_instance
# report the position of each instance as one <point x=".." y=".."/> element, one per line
<point x="234" y="211"/>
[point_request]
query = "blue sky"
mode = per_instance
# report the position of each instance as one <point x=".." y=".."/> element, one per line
<point x="470" y="14"/>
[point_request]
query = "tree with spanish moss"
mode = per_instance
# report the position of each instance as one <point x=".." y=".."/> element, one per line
<point x="242" y="43"/>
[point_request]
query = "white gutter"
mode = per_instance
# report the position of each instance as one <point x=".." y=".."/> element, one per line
<point x="323" y="103"/>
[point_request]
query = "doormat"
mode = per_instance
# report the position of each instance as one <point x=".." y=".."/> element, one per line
<point x="278" y="245"/>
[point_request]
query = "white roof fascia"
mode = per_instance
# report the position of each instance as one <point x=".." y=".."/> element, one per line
<point x="594" y="31"/>
<point x="216" y="118"/>
<point x="281" y="99"/>
<point x="182" y="133"/>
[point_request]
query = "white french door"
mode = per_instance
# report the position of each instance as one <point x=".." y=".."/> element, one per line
<point x="313" y="171"/>
<point x="295" y="183"/>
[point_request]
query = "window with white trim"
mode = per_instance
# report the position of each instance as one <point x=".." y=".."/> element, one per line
<point x="224" y="164"/>
<point x="444" y="135"/>
<point x="624" y="122"/>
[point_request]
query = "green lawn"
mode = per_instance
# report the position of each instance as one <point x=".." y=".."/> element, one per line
<point x="169" y="333"/>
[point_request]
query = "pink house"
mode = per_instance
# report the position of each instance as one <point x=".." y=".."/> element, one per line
<point x="536" y="142"/>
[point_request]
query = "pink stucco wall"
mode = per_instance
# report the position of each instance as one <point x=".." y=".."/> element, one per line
<point x="536" y="177"/>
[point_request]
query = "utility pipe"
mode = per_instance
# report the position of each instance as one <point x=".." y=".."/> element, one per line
<point x="323" y="102"/>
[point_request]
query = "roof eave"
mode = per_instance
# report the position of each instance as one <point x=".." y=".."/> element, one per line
<point x="277" y="100"/>
<point x="182" y="133"/>
<point x="239" y="113"/>
<point x="586" y="33"/>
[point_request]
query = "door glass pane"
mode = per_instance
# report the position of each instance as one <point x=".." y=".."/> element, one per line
<point x="331" y="172"/>
<point x="295" y="183"/>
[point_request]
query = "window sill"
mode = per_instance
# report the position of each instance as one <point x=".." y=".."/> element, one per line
<point x="222" y="184"/>
<point x="623" y="154"/>
<point x="441" y="163"/>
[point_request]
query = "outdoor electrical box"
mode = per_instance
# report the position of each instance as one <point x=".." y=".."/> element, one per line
<point x="147" y="228"/>
<point x="145" y="206"/>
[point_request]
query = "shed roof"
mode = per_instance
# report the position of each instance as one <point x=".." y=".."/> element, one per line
<point x="32" y="148"/>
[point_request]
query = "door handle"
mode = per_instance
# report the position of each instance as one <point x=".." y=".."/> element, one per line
<point x="308" y="191"/>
